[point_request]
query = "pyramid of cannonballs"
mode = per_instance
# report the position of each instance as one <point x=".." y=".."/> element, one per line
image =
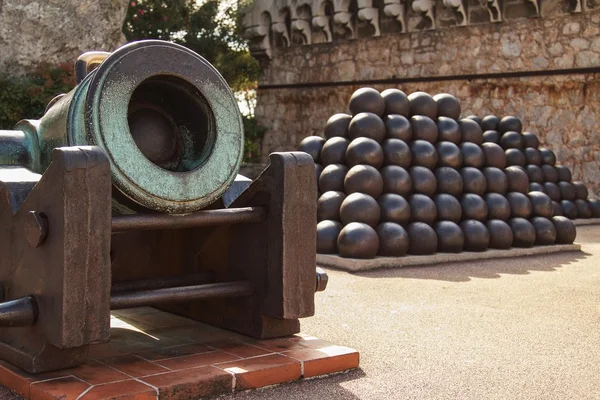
<point x="406" y="175"/>
<point x="522" y="150"/>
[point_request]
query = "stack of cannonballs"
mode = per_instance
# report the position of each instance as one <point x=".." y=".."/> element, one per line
<point x="569" y="199"/>
<point x="406" y="175"/>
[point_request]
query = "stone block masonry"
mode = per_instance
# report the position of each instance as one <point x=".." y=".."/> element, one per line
<point x="542" y="66"/>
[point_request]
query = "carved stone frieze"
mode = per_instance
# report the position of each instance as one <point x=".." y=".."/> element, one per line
<point x="285" y="23"/>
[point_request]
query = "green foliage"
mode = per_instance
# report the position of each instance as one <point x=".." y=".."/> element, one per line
<point x="211" y="28"/>
<point x="253" y="134"/>
<point x="26" y="97"/>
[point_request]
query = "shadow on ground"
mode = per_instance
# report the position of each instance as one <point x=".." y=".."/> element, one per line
<point x="485" y="269"/>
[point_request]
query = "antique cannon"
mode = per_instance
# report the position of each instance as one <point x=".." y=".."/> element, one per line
<point x="126" y="194"/>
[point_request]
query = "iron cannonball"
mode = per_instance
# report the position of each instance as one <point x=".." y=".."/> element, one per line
<point x="557" y="209"/>
<point x="473" y="181"/>
<point x="565" y="230"/>
<point x="491" y="136"/>
<point x="501" y="236"/>
<point x="394" y="208"/>
<point x="337" y="125"/>
<point x="552" y="190"/>
<point x="312" y="145"/>
<point x="423" y="154"/>
<point x="567" y="190"/>
<point x="515" y="157"/>
<point x="530" y="140"/>
<point x="367" y="125"/>
<point x="477" y="236"/>
<point x="517" y="179"/>
<point x="328" y="206"/>
<point x="498" y="206"/>
<point x="451" y="238"/>
<point x="327" y="235"/>
<point x="545" y="232"/>
<point x="476" y="119"/>
<point x="522" y="168"/>
<point x="422" y="209"/>
<point x="523" y="232"/>
<point x="397" y="127"/>
<point x="423" y="180"/>
<point x="332" y="178"/>
<point x="536" y="187"/>
<point x="366" y="151"/>
<point x="511" y="140"/>
<point x="496" y="179"/>
<point x="510" y="123"/>
<point x="393" y="240"/>
<point x="448" y="207"/>
<point x="360" y="207"/>
<point x="535" y="174"/>
<point x="364" y="179"/>
<point x="548" y="156"/>
<point x="533" y="156"/>
<point x="564" y="173"/>
<point x="334" y="151"/>
<point x="583" y="209"/>
<point x="550" y="174"/>
<point x="473" y="207"/>
<point x="569" y="209"/>
<point x="448" y="130"/>
<point x="449" y="181"/>
<point x="595" y="207"/>
<point x="520" y="205"/>
<point x="541" y="204"/>
<point x="423" y="239"/>
<point x="396" y="152"/>
<point x="471" y="131"/>
<point x="490" y="123"/>
<point x="358" y="240"/>
<point x="422" y="103"/>
<point x="449" y="155"/>
<point x="494" y="155"/>
<point x="367" y="100"/>
<point x="448" y="105"/>
<point x="472" y="155"/>
<point x="424" y="128"/>
<point x="396" y="102"/>
<point x="581" y="191"/>
<point x="396" y="180"/>
<point x="318" y="170"/>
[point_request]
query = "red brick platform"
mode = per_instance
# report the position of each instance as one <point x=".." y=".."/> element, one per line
<point x="154" y="354"/>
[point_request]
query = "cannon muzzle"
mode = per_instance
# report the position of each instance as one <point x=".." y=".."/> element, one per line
<point x="165" y="117"/>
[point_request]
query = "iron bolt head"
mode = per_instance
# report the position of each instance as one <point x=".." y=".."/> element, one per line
<point x="36" y="228"/>
<point x="322" y="279"/>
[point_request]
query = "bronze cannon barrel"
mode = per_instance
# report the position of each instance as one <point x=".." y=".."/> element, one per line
<point x="166" y="118"/>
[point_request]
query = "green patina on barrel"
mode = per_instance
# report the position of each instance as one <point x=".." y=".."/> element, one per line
<point x="166" y="118"/>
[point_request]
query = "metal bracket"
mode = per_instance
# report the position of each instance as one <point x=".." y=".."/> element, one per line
<point x="87" y="62"/>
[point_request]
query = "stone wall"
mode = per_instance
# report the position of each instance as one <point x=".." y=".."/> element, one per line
<point x="540" y="69"/>
<point x="56" y="30"/>
<point x="526" y="44"/>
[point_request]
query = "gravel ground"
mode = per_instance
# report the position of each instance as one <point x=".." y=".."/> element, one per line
<point x="524" y="328"/>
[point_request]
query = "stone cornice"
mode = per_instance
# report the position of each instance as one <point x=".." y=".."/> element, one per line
<point x="274" y="24"/>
